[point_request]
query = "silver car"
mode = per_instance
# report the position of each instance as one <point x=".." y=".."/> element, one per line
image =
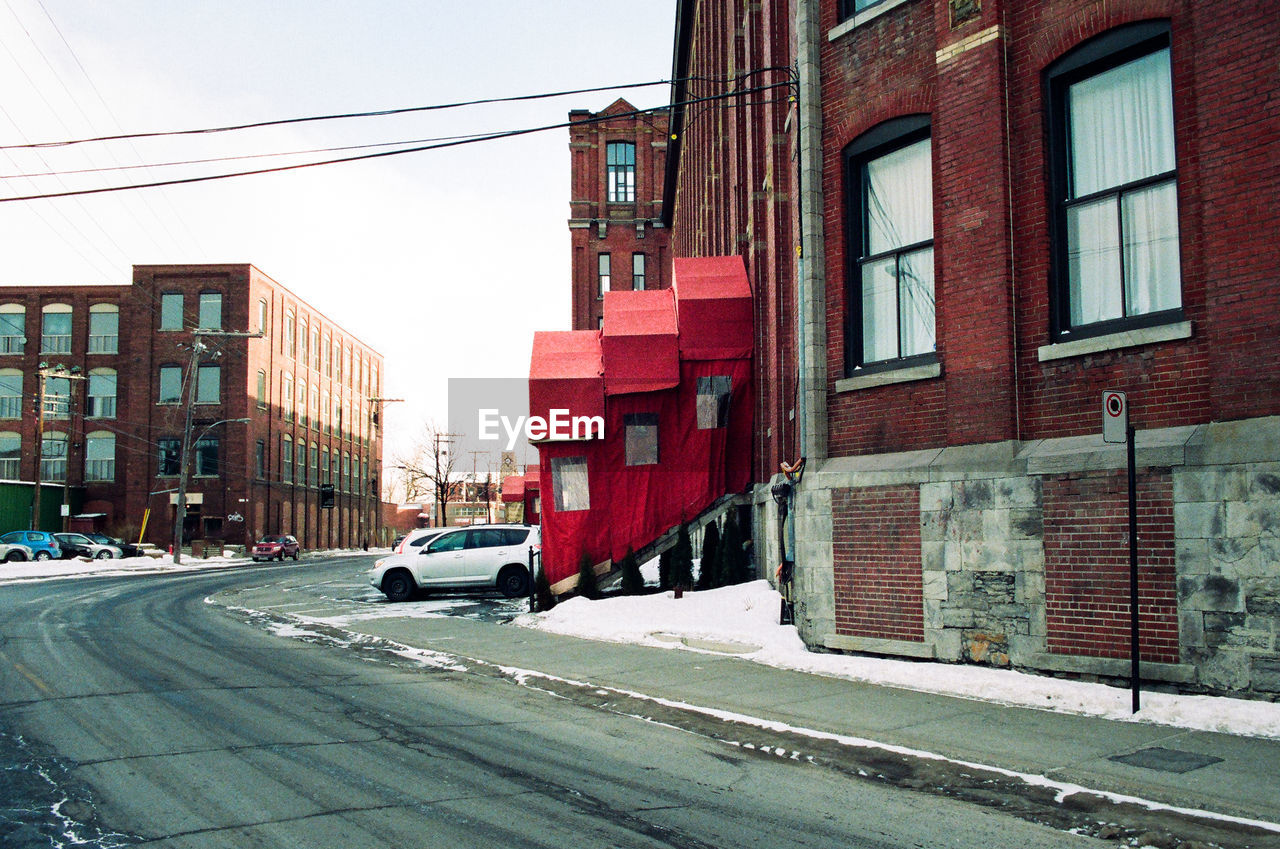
<point x="79" y="545"/>
<point x="483" y="557"/>
<point x="12" y="552"/>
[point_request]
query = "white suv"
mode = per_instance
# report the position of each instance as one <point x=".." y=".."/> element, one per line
<point x="483" y="557"/>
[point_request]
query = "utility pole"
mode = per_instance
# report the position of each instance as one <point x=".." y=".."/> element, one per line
<point x="475" y="482"/>
<point x="184" y="460"/>
<point x="45" y="372"/>
<point x="441" y="478"/>
<point x="35" y="500"/>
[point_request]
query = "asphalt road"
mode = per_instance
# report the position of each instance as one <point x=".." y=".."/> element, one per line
<point x="162" y="720"/>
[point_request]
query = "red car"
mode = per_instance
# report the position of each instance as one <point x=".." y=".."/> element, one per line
<point x="276" y="547"/>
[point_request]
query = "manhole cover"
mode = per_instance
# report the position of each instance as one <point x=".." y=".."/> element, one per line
<point x="1166" y="760"/>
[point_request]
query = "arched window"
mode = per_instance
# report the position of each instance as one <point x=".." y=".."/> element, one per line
<point x="1114" y="172"/>
<point x="57" y="397"/>
<point x="100" y="456"/>
<point x="209" y="384"/>
<point x="262" y="389"/>
<point x="104" y="329"/>
<point x="889" y="174"/>
<point x="13" y="332"/>
<point x="10" y="455"/>
<point x="10" y="393"/>
<point x="210" y="317"/>
<point x="171" y="311"/>
<point x="286" y="396"/>
<point x="102" y="394"/>
<point x="286" y="458"/>
<point x="53" y="456"/>
<point x="170" y="385"/>
<point x="300" y="467"/>
<point x="55" y="333"/>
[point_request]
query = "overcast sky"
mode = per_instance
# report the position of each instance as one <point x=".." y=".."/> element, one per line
<point x="445" y="261"/>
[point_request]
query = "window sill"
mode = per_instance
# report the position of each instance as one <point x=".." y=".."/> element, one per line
<point x="862" y="17"/>
<point x="888" y="378"/>
<point x="1115" y="341"/>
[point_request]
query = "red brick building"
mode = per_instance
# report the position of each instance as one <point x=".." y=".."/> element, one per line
<point x="283" y="400"/>
<point x="618" y="160"/>
<point x="1001" y="210"/>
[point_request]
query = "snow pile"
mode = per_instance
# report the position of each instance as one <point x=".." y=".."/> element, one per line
<point x="81" y="567"/>
<point x="743" y="620"/>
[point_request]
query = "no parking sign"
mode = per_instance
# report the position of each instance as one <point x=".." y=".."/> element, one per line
<point x="1115" y="416"/>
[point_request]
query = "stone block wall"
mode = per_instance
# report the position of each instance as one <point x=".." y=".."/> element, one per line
<point x="1023" y="559"/>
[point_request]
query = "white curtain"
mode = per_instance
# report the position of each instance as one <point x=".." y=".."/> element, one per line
<point x="879" y="310"/>
<point x="1151" y="268"/>
<point x="915" y="302"/>
<point x="897" y="291"/>
<point x="1093" y="262"/>
<point x="1122" y="125"/>
<point x="899" y="198"/>
<point x="1121" y="132"/>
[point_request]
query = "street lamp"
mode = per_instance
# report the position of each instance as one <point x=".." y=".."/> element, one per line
<point x="180" y="513"/>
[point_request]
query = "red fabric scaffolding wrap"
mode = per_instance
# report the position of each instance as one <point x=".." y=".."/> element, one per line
<point x="692" y="377"/>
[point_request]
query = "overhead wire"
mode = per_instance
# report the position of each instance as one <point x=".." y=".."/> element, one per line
<point x="173" y="213"/>
<point x="377" y="113"/>
<point x="417" y="148"/>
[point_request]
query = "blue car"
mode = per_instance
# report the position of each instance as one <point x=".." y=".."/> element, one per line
<point x="42" y="543"/>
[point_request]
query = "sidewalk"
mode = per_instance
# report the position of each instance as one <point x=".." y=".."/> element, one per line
<point x="1227" y="775"/>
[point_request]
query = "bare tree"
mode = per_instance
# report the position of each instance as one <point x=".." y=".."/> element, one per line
<point x="427" y="468"/>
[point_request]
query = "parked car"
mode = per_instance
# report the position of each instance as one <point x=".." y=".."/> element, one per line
<point x="11" y="552"/>
<point x="128" y="548"/>
<point x="276" y="547"/>
<point x="42" y="543"/>
<point x="79" y="545"/>
<point x="416" y="538"/>
<point x="485" y="557"/>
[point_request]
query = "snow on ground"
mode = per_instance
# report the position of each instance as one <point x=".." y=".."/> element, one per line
<point x="81" y="567"/>
<point x="743" y="620"/>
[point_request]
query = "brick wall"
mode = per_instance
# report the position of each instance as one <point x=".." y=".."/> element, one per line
<point x="1086" y="553"/>
<point x="735" y="193"/>
<point x="876" y="543"/>
<point x="628" y="227"/>
<point x="992" y="220"/>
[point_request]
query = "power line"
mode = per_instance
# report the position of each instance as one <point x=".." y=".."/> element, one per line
<point x="213" y="159"/>
<point x="506" y="134"/>
<point x="162" y="220"/>
<point x="379" y="113"/>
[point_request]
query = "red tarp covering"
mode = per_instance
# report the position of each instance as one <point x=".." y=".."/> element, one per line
<point x="565" y="373"/>
<point x="513" y="489"/>
<point x="639" y="341"/>
<point x="532" y="499"/>
<point x="713" y="300"/>
<point x="620" y="506"/>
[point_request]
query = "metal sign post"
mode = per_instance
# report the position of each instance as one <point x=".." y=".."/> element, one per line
<point x="1116" y="428"/>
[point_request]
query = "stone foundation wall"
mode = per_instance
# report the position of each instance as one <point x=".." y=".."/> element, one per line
<point x="1210" y="582"/>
